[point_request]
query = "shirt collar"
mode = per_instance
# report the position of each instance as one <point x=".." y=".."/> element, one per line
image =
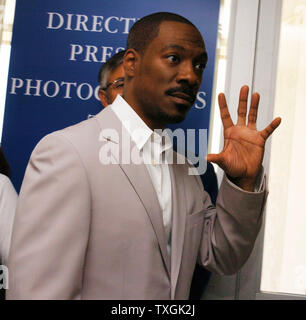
<point x="140" y="133"/>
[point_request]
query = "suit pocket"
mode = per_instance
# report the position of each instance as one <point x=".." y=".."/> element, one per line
<point x="195" y="219"/>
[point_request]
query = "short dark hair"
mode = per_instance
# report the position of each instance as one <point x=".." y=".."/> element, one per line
<point x="147" y="28"/>
<point x="109" y="66"/>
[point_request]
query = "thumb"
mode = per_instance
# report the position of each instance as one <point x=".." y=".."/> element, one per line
<point x="212" y="157"/>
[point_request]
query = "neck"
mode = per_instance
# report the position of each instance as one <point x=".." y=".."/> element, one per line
<point x="139" y="110"/>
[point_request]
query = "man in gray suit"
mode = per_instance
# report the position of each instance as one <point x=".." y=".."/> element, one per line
<point x="93" y="226"/>
<point x="111" y="80"/>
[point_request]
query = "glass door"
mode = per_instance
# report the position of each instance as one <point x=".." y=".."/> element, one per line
<point x="284" y="247"/>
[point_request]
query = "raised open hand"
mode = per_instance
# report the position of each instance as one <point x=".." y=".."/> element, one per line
<point x="243" y="151"/>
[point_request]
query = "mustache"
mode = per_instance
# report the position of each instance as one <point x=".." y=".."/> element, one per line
<point x="185" y="89"/>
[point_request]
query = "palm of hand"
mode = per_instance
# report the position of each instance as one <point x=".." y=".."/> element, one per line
<point x="243" y="150"/>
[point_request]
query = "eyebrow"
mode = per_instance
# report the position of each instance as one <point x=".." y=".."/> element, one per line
<point x="173" y="46"/>
<point x="176" y="46"/>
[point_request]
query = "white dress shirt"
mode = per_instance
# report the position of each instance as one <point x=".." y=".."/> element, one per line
<point x="154" y="150"/>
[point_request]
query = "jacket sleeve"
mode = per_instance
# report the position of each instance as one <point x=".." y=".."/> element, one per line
<point x="51" y="227"/>
<point x="230" y="229"/>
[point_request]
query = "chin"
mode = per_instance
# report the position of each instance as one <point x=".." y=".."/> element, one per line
<point x="180" y="115"/>
<point x="174" y="118"/>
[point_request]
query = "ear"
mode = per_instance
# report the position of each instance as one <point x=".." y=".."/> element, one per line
<point x="130" y="62"/>
<point x="103" y="98"/>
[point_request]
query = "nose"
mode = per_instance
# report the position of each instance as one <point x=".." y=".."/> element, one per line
<point x="188" y="74"/>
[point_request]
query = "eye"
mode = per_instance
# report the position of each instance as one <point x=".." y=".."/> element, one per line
<point x="173" y="58"/>
<point x="200" y="66"/>
<point x="119" y="85"/>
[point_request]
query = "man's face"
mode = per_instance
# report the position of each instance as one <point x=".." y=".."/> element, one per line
<point x="109" y="95"/>
<point x="169" y="74"/>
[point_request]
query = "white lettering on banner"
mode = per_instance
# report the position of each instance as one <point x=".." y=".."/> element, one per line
<point x="56" y="89"/>
<point x="67" y="90"/>
<point x="96" y="23"/>
<point x="68" y="27"/>
<point x="79" y="91"/>
<point x="16" y="83"/>
<point x="91" y="53"/>
<point x="58" y="23"/>
<point x="29" y="87"/>
<point x="82" y="22"/>
<point x="127" y="23"/>
<point x="201" y="97"/>
<point x="75" y="50"/>
<point x="68" y="87"/>
<point x="51" y="89"/>
<point x="107" y="21"/>
<point x="106" y="53"/>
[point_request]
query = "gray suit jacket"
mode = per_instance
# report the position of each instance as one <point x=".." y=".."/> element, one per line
<point x="84" y="230"/>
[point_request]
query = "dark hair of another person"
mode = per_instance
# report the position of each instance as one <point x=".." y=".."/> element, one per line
<point x="4" y="166"/>
<point x="147" y="28"/>
<point x="109" y="66"/>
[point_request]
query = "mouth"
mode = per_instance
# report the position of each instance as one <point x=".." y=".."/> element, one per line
<point x="182" y="98"/>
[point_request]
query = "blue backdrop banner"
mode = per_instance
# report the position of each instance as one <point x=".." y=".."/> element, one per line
<point x="57" y="49"/>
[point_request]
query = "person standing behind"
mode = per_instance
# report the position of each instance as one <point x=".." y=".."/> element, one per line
<point x="111" y="79"/>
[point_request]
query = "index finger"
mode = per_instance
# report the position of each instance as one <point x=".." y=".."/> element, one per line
<point x="225" y="115"/>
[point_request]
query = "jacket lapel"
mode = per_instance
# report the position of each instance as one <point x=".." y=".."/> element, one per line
<point x="138" y="176"/>
<point x="179" y="212"/>
<point x="140" y="180"/>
